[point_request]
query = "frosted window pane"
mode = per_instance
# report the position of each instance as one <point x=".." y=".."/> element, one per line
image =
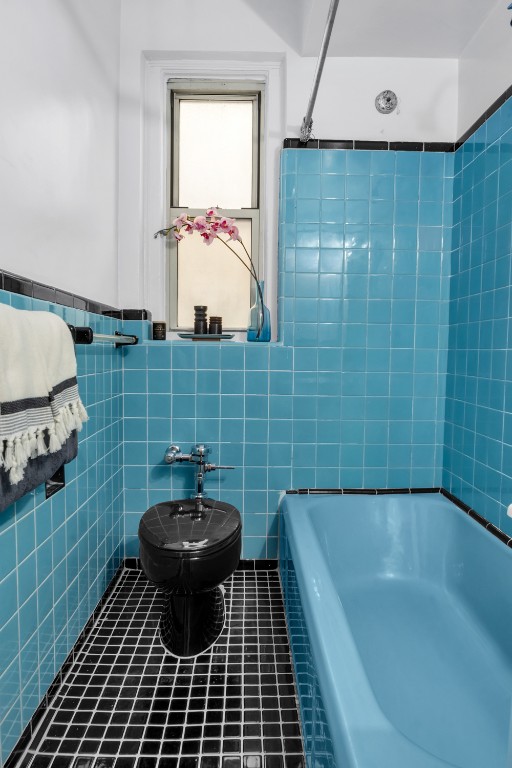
<point x="212" y="275"/>
<point x="215" y="154"/>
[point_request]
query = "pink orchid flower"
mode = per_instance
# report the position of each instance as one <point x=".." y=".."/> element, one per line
<point x="200" y="223"/>
<point x="180" y="221"/>
<point x="212" y="212"/>
<point x="226" y="223"/>
<point x="234" y="233"/>
<point x="208" y="237"/>
<point x="177" y="235"/>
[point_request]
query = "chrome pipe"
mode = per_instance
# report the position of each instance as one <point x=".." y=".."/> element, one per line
<point x="307" y="123"/>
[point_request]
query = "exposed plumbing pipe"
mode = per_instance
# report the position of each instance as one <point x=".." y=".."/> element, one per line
<point x="307" y="123"/>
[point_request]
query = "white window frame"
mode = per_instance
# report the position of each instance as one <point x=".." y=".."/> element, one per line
<point x="181" y="89"/>
<point x="150" y="275"/>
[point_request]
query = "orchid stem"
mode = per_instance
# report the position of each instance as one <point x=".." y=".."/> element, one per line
<point x="254" y="275"/>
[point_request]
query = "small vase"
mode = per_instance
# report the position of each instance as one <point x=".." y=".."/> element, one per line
<point x="258" y="328"/>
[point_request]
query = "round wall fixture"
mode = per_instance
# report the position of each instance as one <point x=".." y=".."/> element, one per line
<point x="386" y="102"/>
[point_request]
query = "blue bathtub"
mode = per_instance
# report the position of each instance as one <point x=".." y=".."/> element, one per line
<point x="400" y="614"/>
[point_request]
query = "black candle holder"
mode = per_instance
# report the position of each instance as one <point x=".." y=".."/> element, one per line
<point x="215" y="325"/>
<point x="200" y="320"/>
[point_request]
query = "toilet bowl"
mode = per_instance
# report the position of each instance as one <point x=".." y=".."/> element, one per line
<point x="187" y="549"/>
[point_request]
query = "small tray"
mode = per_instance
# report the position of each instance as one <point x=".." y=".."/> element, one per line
<point x="206" y="336"/>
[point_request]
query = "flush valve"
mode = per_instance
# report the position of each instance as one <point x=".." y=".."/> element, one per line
<point x="197" y="456"/>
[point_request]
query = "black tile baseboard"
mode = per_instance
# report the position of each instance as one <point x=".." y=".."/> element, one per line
<point x="244" y="564"/>
<point x="258" y="565"/>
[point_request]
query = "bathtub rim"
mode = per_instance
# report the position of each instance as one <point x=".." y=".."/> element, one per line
<point x="490" y="527"/>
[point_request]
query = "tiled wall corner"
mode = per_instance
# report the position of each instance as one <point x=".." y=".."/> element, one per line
<point x="478" y="449"/>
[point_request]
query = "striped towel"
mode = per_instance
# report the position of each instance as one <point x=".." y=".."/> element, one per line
<point x="39" y="401"/>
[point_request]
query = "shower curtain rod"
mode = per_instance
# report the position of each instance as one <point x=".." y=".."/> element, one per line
<point x="307" y="123"/>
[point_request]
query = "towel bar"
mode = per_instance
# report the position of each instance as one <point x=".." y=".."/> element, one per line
<point x="86" y="335"/>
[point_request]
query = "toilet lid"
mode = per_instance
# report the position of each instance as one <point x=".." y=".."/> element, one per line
<point x="176" y="526"/>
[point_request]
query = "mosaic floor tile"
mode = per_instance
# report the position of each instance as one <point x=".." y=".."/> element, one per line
<point x="126" y="703"/>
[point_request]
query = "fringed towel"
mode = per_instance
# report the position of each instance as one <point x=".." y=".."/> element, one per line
<point x="39" y="402"/>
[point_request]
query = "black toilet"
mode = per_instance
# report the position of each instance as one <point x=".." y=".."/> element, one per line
<point x="188" y="548"/>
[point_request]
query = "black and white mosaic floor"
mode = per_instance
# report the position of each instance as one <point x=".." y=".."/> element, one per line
<point x="125" y="703"/>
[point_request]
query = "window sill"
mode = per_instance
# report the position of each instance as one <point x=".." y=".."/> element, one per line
<point x="238" y="337"/>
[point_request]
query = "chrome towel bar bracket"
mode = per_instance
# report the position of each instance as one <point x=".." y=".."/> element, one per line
<point x="86" y="335"/>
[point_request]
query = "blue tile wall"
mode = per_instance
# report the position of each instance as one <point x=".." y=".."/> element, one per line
<point x="230" y="396"/>
<point x="353" y="394"/>
<point x="364" y="246"/>
<point x="59" y="555"/>
<point x="478" y="451"/>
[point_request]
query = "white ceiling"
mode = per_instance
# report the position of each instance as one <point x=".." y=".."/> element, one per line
<point x="375" y="28"/>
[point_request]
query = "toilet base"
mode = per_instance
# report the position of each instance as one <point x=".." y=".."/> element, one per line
<point x="190" y="624"/>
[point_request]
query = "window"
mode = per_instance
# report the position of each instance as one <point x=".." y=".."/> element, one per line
<point x="215" y="160"/>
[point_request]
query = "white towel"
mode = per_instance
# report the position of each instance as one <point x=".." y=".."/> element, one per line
<point x="38" y="387"/>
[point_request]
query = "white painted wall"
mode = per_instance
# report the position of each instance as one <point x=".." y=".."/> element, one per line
<point x="345" y="105"/>
<point x="344" y="108"/>
<point x="485" y="66"/>
<point x="58" y="143"/>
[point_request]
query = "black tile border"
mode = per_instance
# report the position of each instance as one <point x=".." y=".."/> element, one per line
<point x="360" y="491"/>
<point x="30" y="728"/>
<point x="499" y="534"/>
<point x="129" y="314"/>
<point x="31" y="288"/>
<point x="484" y="116"/>
<point x="402" y="146"/>
<point x="439" y="146"/>
<point x="479" y="519"/>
